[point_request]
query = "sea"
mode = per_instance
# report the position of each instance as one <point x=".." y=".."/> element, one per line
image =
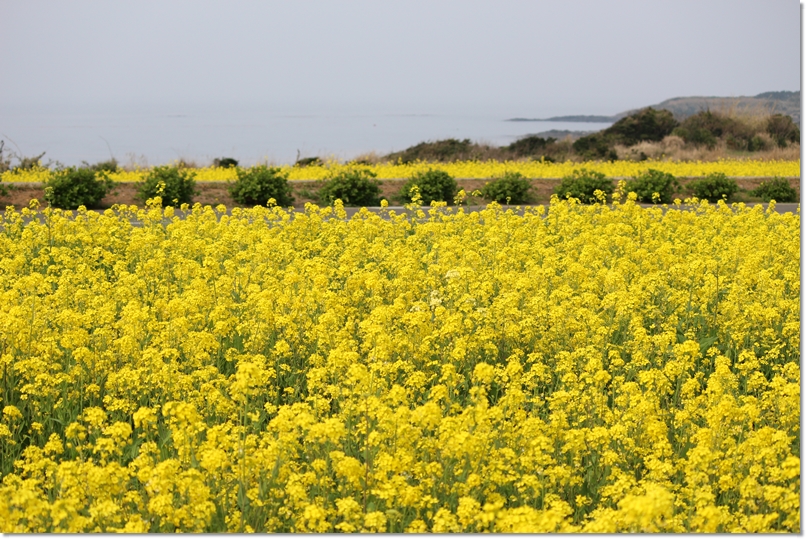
<point x="148" y="134"/>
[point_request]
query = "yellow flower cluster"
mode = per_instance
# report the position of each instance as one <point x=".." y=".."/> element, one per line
<point x="36" y="174"/>
<point x="42" y="174"/>
<point x="545" y="169"/>
<point x="571" y="368"/>
<point x="204" y="174"/>
<point x="479" y="170"/>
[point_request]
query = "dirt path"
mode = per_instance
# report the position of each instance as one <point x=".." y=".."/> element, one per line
<point x="215" y="193"/>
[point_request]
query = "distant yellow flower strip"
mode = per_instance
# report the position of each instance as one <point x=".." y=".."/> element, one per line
<point x="41" y="174"/>
<point x="577" y="368"/>
<point x="537" y="169"/>
<point x="479" y="169"/>
<point x="34" y="175"/>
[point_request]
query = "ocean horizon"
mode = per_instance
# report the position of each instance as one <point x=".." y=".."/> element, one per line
<point x="154" y="134"/>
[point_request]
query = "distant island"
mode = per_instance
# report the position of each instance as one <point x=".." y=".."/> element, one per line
<point x="682" y="107"/>
<point x="561" y="134"/>
<point x="576" y="118"/>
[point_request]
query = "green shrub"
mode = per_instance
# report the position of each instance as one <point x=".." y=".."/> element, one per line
<point x="72" y="187"/>
<point x="309" y="162"/>
<point x="103" y="166"/>
<point x="777" y="189"/>
<point x="5" y="162"/>
<point x="176" y="185"/>
<point x="442" y="150"/>
<point x="225" y="162"/>
<point x="258" y="184"/>
<point x="511" y="188"/>
<point x="782" y="129"/>
<point x="434" y="185"/>
<point x="699" y="136"/>
<point x="5" y="165"/>
<point x="356" y="187"/>
<point x="582" y="184"/>
<point x="595" y="146"/>
<point x="713" y="187"/>
<point x="28" y="163"/>
<point x="706" y="127"/>
<point x="530" y="145"/>
<point x="646" y="124"/>
<point x="757" y="144"/>
<point x="653" y="181"/>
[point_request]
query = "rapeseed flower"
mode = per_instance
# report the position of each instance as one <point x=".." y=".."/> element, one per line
<point x="571" y="368"/>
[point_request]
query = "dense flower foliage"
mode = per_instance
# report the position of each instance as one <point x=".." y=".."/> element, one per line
<point x="574" y="368"/>
<point x="478" y="169"/>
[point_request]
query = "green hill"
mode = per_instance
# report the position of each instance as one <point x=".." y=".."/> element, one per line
<point x="768" y="102"/>
<point x="682" y="107"/>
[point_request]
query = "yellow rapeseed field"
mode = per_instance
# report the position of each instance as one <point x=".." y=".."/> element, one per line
<point x="575" y="368"/>
<point x="477" y="170"/>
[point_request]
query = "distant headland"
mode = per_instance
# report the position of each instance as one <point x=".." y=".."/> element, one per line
<point x="682" y="107"/>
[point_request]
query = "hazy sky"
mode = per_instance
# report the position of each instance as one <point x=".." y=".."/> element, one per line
<point x="519" y="57"/>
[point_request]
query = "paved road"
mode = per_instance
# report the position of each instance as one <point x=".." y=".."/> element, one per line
<point x="779" y="208"/>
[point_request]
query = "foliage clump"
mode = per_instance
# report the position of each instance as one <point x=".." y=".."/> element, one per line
<point x="434" y="186"/>
<point x="175" y="185"/>
<point x="354" y="187"/>
<point x="441" y="151"/>
<point x="531" y="145"/>
<point x="783" y="130"/>
<point x="260" y="183"/>
<point x="706" y="127"/>
<point x="24" y="163"/>
<point x="510" y="188"/>
<point x="72" y="187"/>
<point x="30" y="163"/>
<point x="595" y="146"/>
<point x="645" y="125"/>
<point x="309" y="162"/>
<point x="713" y="187"/>
<point x="583" y="184"/>
<point x="5" y="162"/>
<point x="225" y="162"/>
<point x="110" y="165"/>
<point x="777" y="189"/>
<point x="653" y="186"/>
